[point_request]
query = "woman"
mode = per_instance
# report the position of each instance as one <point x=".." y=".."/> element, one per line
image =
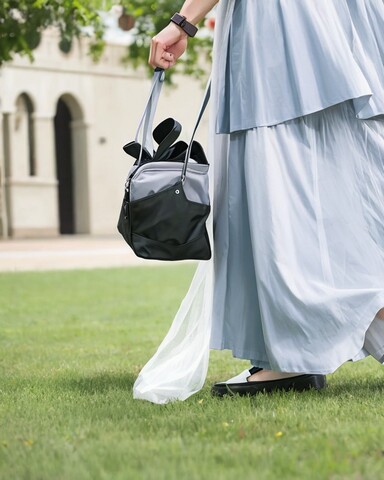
<point x="299" y="189"/>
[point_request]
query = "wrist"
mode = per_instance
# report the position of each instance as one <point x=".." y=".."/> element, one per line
<point x="178" y="29"/>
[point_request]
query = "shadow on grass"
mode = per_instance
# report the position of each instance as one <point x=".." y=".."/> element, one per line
<point x="356" y="386"/>
<point x="98" y="383"/>
<point x="91" y="383"/>
<point x="106" y="382"/>
<point x="338" y="389"/>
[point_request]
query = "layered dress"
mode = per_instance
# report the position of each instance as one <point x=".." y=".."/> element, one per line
<point x="297" y="158"/>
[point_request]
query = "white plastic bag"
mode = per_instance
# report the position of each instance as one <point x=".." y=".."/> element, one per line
<point x="179" y="367"/>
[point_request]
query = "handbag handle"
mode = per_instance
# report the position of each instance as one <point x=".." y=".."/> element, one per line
<point x="146" y="121"/>
<point x="203" y="106"/>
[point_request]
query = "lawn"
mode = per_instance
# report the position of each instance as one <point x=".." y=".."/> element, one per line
<point x="71" y="345"/>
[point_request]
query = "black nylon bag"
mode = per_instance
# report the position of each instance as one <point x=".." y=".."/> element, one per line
<point x="168" y="220"/>
<point x="166" y="226"/>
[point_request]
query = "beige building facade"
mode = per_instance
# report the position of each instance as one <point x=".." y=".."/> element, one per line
<point x="63" y="122"/>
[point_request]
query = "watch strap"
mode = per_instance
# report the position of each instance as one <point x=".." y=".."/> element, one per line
<point x="183" y="23"/>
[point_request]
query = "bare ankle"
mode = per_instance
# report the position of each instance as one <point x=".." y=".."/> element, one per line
<point x="266" y="375"/>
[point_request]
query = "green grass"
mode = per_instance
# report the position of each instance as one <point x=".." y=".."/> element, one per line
<point x="71" y="345"/>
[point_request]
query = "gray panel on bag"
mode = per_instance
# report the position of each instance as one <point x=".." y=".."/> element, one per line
<point x="154" y="177"/>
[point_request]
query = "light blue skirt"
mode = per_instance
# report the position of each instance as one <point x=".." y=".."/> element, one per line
<point x="299" y="231"/>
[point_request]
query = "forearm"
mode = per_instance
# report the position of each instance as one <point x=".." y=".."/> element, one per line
<point x="196" y="10"/>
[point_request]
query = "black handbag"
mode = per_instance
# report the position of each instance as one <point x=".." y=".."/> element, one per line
<point x="166" y="198"/>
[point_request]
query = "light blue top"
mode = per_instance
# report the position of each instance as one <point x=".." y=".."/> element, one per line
<point x="289" y="58"/>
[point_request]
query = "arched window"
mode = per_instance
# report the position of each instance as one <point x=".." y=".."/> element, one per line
<point x="24" y="123"/>
<point x="72" y="166"/>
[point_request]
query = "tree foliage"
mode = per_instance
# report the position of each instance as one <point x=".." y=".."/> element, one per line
<point x="22" y="21"/>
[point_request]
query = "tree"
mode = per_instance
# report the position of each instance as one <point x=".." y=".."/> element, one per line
<point x="22" y="21"/>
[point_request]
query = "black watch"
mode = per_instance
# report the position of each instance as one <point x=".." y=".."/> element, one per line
<point x="183" y="23"/>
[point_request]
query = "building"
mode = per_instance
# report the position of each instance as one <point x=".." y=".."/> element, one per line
<point x="63" y="122"/>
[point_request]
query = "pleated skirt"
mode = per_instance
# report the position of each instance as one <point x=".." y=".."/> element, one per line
<point x="299" y="217"/>
<point x="299" y="242"/>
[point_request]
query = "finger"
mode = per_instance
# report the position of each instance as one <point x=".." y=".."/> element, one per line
<point x="161" y="59"/>
<point x="156" y="52"/>
<point x="165" y="64"/>
<point x="169" y="57"/>
<point x="159" y="56"/>
<point x="162" y="64"/>
<point x="153" y="54"/>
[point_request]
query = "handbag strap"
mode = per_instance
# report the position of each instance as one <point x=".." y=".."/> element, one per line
<point x="146" y="121"/>
<point x="197" y="123"/>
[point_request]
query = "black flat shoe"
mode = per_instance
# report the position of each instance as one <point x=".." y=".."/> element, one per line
<point x="237" y="385"/>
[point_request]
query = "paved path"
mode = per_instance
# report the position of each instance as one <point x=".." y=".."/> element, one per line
<point x="68" y="252"/>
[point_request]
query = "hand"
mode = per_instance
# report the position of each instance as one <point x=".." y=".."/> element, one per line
<point x="167" y="46"/>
